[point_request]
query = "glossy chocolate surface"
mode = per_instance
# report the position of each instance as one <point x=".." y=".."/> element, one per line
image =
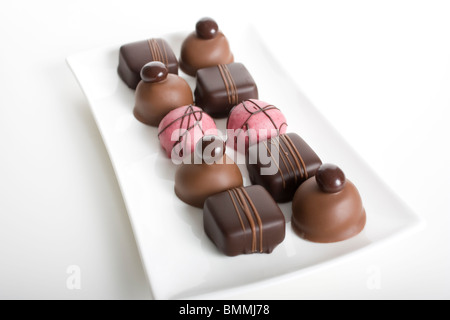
<point x="326" y="217"/>
<point x="330" y="178"/>
<point x="206" y="28"/>
<point x="220" y="88"/>
<point x="133" y="56"/>
<point x="197" y="52"/>
<point x="195" y="182"/>
<point x="154" y="71"/>
<point x="292" y="161"/>
<point x="244" y="221"/>
<point x="154" y="100"/>
<point x="210" y="148"/>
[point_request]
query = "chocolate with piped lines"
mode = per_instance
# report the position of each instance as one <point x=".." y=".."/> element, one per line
<point x="293" y="161"/>
<point x="244" y="221"/>
<point x="133" y="56"/>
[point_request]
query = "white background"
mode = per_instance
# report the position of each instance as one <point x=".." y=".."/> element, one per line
<point x="378" y="70"/>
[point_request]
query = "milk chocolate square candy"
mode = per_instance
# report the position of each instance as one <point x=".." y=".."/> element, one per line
<point x="281" y="165"/>
<point x="244" y="221"/>
<point x="133" y="56"/>
<point x="221" y="87"/>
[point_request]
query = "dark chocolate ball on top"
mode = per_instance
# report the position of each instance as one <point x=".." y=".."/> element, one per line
<point x="206" y="28"/>
<point x="154" y="71"/>
<point x="330" y="178"/>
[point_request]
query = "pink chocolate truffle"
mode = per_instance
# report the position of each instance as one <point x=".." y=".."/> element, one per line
<point x="253" y="121"/>
<point x="182" y="128"/>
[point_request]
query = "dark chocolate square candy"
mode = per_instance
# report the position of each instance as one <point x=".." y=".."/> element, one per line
<point x="244" y="221"/>
<point x="133" y="56"/>
<point x="281" y="165"/>
<point x="221" y="87"/>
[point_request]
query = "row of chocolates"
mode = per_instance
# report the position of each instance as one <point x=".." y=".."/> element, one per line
<point x="326" y="207"/>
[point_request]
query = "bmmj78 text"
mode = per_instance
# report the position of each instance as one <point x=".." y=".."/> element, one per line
<point x="242" y="309"/>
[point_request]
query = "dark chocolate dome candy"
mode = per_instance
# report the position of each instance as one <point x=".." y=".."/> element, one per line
<point x="206" y="28"/>
<point x="205" y="47"/>
<point x="154" y="71"/>
<point x="333" y="215"/>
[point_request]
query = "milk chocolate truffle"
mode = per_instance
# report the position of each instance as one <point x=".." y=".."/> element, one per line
<point x="244" y="221"/>
<point x="281" y="164"/>
<point x="204" y="176"/>
<point x="133" y="56"/>
<point x="221" y="87"/>
<point x="158" y="93"/>
<point x="205" y="47"/>
<point x="328" y="207"/>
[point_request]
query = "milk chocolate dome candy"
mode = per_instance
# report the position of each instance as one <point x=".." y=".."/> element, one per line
<point x="211" y="171"/>
<point x="328" y="207"/>
<point x="205" y="47"/>
<point x="158" y="93"/>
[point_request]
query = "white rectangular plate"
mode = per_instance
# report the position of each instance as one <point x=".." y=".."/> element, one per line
<point x="179" y="260"/>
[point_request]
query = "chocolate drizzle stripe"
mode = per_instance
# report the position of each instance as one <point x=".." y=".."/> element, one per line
<point x="233" y="94"/>
<point x="305" y="172"/>
<point x="247" y="206"/>
<point x="164" y="51"/>
<point x="294" y="155"/>
<point x="225" y="81"/>
<point x="278" y="166"/>
<point x="152" y="50"/>
<point x="285" y="155"/>
<point x="259" y="110"/>
<point x="236" y="208"/>
<point x="156" y="52"/>
<point x="248" y="214"/>
<point x="258" y="219"/>
<point x="263" y="110"/>
<point x="235" y="97"/>
<point x="188" y="113"/>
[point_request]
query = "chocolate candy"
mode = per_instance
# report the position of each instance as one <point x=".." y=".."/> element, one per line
<point x="133" y="56"/>
<point x="333" y="215"/>
<point x="206" y="28"/>
<point x="210" y="149"/>
<point x="199" y="179"/>
<point x="205" y="47"/>
<point x="154" y="72"/>
<point x="252" y="121"/>
<point x="181" y="129"/>
<point x="244" y="221"/>
<point x="220" y="88"/>
<point x="281" y="164"/>
<point x="330" y="178"/>
<point x="158" y="93"/>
